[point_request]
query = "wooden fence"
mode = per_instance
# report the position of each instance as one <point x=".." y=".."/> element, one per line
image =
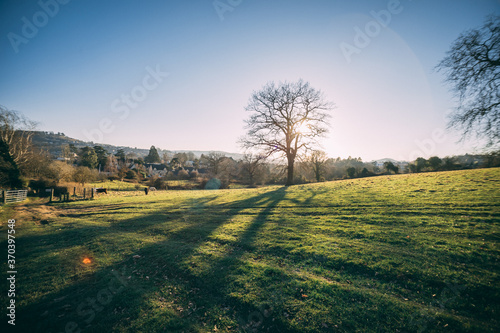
<point x="14" y="196"/>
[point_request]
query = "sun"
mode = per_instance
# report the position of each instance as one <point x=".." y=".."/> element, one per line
<point x="302" y="128"/>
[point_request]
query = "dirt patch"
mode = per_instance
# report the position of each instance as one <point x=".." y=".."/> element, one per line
<point x="36" y="212"/>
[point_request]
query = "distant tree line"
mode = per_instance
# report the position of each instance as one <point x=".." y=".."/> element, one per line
<point x="23" y="165"/>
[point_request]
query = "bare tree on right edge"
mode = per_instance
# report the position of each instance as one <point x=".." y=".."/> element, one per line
<point x="472" y="66"/>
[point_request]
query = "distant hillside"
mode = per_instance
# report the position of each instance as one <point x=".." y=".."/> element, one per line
<point x="381" y="162"/>
<point x="54" y="142"/>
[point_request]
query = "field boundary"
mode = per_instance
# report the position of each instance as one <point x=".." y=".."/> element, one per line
<point x="13" y="196"/>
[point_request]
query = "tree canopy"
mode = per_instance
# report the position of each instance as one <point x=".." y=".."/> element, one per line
<point x="9" y="172"/>
<point x="153" y="156"/>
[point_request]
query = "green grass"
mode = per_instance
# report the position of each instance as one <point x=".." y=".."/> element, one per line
<point x="115" y="185"/>
<point x="405" y="253"/>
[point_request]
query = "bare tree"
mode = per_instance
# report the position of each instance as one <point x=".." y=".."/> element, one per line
<point x="111" y="164"/>
<point x="317" y="161"/>
<point x="251" y="166"/>
<point x="287" y="118"/>
<point x="182" y="158"/>
<point x="214" y="162"/>
<point x="60" y="171"/>
<point x="84" y="175"/>
<point x="472" y="66"/>
<point x="16" y="131"/>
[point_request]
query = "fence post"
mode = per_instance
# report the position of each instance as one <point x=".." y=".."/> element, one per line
<point x="4" y="192"/>
<point x="92" y="194"/>
<point x="74" y="191"/>
<point x="51" y="195"/>
<point x="84" y="193"/>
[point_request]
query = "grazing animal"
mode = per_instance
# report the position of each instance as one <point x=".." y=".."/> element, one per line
<point x="59" y="190"/>
<point x="152" y="188"/>
<point x="101" y="190"/>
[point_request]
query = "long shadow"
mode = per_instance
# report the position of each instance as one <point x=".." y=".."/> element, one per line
<point x="249" y="317"/>
<point x="114" y="297"/>
<point x="72" y="235"/>
<point x="50" y="314"/>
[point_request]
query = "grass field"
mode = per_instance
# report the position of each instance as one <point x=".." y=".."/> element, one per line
<point x="115" y="185"/>
<point x="404" y="253"/>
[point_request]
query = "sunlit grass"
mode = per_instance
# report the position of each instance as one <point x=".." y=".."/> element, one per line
<point x="407" y="252"/>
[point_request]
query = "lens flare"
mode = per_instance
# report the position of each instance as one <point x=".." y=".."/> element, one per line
<point x="87" y="261"/>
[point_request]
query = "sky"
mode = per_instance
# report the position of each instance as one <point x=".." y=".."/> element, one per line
<point x="178" y="74"/>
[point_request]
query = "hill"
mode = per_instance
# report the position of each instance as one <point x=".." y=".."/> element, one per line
<point x="54" y="142"/>
<point x="405" y="253"/>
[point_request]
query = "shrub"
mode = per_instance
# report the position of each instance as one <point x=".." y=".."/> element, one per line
<point x="183" y="174"/>
<point x="131" y="174"/>
<point x="84" y="175"/>
<point x="301" y="179"/>
<point x="157" y="182"/>
<point x="351" y="172"/>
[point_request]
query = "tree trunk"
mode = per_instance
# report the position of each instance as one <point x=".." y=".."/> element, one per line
<point x="289" y="180"/>
<point x="317" y="171"/>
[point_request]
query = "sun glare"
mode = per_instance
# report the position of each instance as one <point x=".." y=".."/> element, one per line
<point x="87" y="261"/>
<point x="303" y="128"/>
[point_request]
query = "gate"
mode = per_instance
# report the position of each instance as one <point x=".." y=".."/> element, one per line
<point x="14" y="196"/>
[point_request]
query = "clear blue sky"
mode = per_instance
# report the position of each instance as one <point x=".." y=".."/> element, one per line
<point x="74" y="70"/>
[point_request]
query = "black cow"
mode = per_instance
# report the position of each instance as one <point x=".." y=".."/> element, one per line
<point x="101" y="190"/>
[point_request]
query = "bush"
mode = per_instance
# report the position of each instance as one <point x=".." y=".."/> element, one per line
<point x="171" y="176"/>
<point x="102" y="177"/>
<point x="300" y="179"/>
<point x="157" y="182"/>
<point x="212" y="184"/>
<point x="84" y="175"/>
<point x="366" y="173"/>
<point x="351" y="172"/>
<point x="131" y="174"/>
<point x="182" y="174"/>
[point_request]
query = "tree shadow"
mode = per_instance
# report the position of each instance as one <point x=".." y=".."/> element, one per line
<point x="94" y="302"/>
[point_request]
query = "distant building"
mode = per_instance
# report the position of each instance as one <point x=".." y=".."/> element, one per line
<point x="156" y="169"/>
